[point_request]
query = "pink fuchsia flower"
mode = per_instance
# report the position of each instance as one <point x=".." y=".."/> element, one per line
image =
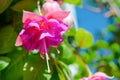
<point x="97" y="76"/>
<point x="42" y="32"/>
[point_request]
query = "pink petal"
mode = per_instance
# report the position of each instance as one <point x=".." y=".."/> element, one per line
<point x="34" y="24"/>
<point x="30" y="16"/>
<point x="57" y="26"/>
<point x="55" y="41"/>
<point x="59" y="15"/>
<point x="43" y="35"/>
<point x="68" y="20"/>
<point x="50" y="6"/>
<point x="18" y="41"/>
<point x="85" y="78"/>
<point x="49" y="0"/>
<point x="101" y="74"/>
<point x="97" y="76"/>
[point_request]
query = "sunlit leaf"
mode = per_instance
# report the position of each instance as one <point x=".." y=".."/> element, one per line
<point x="117" y="3"/>
<point x="115" y="47"/>
<point x="112" y="28"/>
<point x="4" y="62"/>
<point x="84" y="38"/>
<point x="86" y="57"/>
<point x="76" y="2"/>
<point x="7" y="39"/>
<point x="4" y="4"/>
<point x="102" y="44"/>
<point x="113" y="65"/>
<point x="117" y="19"/>
<point x="71" y="31"/>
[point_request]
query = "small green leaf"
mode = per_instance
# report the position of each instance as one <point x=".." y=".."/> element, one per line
<point x="84" y="38"/>
<point x="117" y="19"/>
<point x="86" y="57"/>
<point x="7" y="39"/>
<point x="4" y="4"/>
<point x="102" y="44"/>
<point x="115" y="47"/>
<point x="71" y="32"/>
<point x="76" y="2"/>
<point x="117" y="3"/>
<point x="68" y="55"/>
<point x="112" y="28"/>
<point x="113" y="65"/>
<point x="29" y="5"/>
<point x="4" y="62"/>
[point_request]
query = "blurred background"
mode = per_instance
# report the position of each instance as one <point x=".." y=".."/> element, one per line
<point x="92" y="44"/>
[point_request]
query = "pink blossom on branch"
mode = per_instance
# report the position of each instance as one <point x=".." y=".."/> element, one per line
<point x="97" y="76"/>
<point x="42" y="32"/>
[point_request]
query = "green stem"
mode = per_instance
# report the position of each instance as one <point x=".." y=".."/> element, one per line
<point x="59" y="70"/>
<point x="64" y="71"/>
<point x="84" y="63"/>
<point x="38" y="6"/>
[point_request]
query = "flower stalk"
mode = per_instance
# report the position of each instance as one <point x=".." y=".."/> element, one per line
<point x="38" y="6"/>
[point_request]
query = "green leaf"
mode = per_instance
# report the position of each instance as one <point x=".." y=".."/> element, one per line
<point x="76" y="2"/>
<point x="112" y="28"/>
<point x="4" y="62"/>
<point x="71" y="32"/>
<point x="117" y="19"/>
<point x="35" y="68"/>
<point x="4" y="4"/>
<point x="15" y="69"/>
<point x="68" y="55"/>
<point x="29" y="5"/>
<point x="117" y="3"/>
<point x="84" y="38"/>
<point x="102" y="44"/>
<point x="7" y="39"/>
<point x="113" y="65"/>
<point x="115" y="47"/>
<point x="26" y="67"/>
<point x="86" y="57"/>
